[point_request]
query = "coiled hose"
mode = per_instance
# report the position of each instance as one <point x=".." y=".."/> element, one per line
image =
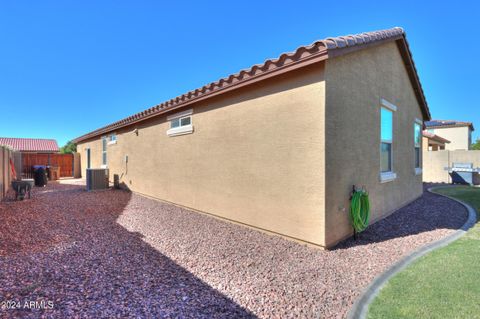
<point x="359" y="210"/>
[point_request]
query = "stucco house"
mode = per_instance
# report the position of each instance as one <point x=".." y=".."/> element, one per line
<point x="278" y="146"/>
<point x="458" y="133"/>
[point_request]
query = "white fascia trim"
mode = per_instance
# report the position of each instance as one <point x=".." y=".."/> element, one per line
<point x="180" y="114"/>
<point x="418" y="171"/>
<point x="387" y="177"/>
<point x="388" y="105"/>
<point x="181" y="130"/>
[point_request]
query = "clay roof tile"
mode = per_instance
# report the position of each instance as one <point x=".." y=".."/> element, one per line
<point x="317" y="51"/>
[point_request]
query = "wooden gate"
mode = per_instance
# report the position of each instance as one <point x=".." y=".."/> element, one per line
<point x="64" y="161"/>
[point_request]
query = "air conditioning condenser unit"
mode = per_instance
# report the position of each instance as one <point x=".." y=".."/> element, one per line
<point x="97" y="178"/>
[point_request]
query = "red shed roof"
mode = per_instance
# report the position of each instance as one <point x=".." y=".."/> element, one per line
<point x="30" y="144"/>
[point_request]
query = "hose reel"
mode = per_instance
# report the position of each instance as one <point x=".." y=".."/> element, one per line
<point x="359" y="209"/>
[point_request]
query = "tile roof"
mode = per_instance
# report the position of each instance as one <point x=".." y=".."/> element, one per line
<point x="302" y="56"/>
<point x="447" y="123"/>
<point x="435" y="137"/>
<point x="30" y="144"/>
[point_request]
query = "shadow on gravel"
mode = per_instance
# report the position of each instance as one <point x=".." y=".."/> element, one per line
<point x="65" y="247"/>
<point x="427" y="213"/>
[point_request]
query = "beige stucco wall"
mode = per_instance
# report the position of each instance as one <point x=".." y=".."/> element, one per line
<point x="434" y="163"/>
<point x="460" y="137"/>
<point x="256" y="156"/>
<point x="424" y="144"/>
<point x="355" y="84"/>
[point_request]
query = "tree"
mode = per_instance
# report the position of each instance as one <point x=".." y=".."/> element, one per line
<point x="68" y="148"/>
<point x="476" y="145"/>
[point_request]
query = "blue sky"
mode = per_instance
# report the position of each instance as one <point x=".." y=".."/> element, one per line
<point x="69" y="67"/>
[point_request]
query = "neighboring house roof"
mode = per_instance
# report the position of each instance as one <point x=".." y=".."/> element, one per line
<point x="302" y="56"/>
<point x="30" y="144"/>
<point x="433" y="124"/>
<point x="435" y="137"/>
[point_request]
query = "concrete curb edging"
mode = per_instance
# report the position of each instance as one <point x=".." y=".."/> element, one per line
<point x="359" y="309"/>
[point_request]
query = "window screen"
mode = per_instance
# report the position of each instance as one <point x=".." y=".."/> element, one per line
<point x="185" y="121"/>
<point x="175" y="123"/>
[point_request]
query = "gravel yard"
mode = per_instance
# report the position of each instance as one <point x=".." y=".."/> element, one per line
<point x="117" y="254"/>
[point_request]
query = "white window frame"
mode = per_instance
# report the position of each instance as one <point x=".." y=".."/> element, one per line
<point x="390" y="175"/>
<point x="104" y="152"/>
<point x="181" y="129"/>
<point x="112" y="139"/>
<point x="418" y="170"/>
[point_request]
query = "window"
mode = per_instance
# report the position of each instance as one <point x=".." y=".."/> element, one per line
<point x="417" y="131"/>
<point x="185" y="121"/>
<point x="104" y="151"/>
<point x="386" y="137"/>
<point x="88" y="158"/>
<point x="386" y="141"/>
<point x="174" y="123"/>
<point x="112" y="139"/>
<point x="386" y="157"/>
<point x="180" y="123"/>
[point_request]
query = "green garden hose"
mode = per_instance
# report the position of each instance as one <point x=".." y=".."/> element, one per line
<point x="359" y="210"/>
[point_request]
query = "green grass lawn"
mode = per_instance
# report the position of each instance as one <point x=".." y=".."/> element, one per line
<point x="442" y="284"/>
